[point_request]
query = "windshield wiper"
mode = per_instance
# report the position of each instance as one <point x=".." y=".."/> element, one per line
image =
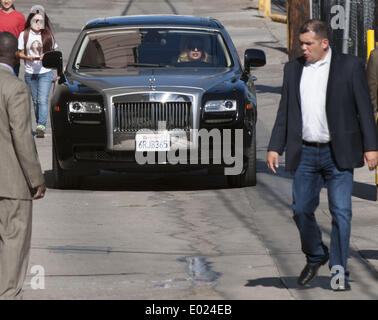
<point x="92" y="66"/>
<point x="153" y="65"/>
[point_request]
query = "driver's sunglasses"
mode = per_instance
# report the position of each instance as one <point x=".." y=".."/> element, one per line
<point x="192" y="47"/>
<point x="40" y="21"/>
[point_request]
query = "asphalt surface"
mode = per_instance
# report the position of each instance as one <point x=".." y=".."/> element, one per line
<point x="187" y="236"/>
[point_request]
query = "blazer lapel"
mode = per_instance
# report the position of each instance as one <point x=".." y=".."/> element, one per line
<point x="298" y="76"/>
<point x="331" y="76"/>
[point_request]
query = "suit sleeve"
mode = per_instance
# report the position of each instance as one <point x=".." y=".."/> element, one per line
<point x="364" y="106"/>
<point x="372" y="78"/>
<point x="279" y="133"/>
<point x="20" y="127"/>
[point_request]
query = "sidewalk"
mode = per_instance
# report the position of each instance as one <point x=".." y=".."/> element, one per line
<point x="364" y="238"/>
<point x="271" y="218"/>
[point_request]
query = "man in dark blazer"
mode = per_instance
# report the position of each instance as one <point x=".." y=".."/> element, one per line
<point x="326" y="127"/>
<point x="21" y="178"/>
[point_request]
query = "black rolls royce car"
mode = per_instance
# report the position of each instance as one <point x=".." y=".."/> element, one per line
<point x="144" y="93"/>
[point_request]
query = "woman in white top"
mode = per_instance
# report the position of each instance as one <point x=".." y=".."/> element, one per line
<point x="36" y="39"/>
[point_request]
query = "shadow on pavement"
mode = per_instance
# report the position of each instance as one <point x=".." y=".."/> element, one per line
<point x="185" y="181"/>
<point x="290" y="283"/>
<point x="369" y="254"/>
<point x="365" y="191"/>
<point x="268" y="89"/>
<point x="249" y="8"/>
<point x="360" y="190"/>
<point x="113" y="181"/>
<point x="271" y="45"/>
<point x="261" y="167"/>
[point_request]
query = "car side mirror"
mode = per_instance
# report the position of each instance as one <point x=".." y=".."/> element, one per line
<point x="53" y="60"/>
<point x="254" y="58"/>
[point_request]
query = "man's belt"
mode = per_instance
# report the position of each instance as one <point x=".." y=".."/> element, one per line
<point x="315" y="144"/>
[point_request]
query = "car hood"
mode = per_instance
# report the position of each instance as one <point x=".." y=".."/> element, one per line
<point x="153" y="79"/>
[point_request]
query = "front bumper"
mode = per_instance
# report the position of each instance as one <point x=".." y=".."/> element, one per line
<point x="84" y="149"/>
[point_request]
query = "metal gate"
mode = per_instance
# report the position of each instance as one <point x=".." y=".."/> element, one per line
<point x="361" y="19"/>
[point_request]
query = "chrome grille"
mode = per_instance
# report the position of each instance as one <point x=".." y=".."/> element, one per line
<point x="133" y="116"/>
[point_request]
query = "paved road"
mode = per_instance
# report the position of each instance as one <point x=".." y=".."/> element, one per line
<point x="185" y="236"/>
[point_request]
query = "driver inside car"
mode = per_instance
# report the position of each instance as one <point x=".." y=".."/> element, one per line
<point x="194" y="51"/>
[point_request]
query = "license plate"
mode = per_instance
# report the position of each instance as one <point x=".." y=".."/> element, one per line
<point x="153" y="142"/>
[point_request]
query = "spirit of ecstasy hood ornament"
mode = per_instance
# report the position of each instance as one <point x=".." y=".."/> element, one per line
<point x="152" y="83"/>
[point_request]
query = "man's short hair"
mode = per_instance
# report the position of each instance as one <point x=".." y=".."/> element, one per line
<point x="8" y="44"/>
<point x="319" y="27"/>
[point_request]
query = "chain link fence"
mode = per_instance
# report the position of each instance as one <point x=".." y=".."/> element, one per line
<point x="278" y="6"/>
<point x="362" y="18"/>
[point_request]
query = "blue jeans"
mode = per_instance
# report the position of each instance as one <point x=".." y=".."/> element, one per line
<point x="40" y="85"/>
<point x="317" y="167"/>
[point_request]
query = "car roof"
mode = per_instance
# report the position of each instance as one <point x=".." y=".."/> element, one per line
<point x="154" y="20"/>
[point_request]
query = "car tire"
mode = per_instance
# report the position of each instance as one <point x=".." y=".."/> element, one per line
<point x="248" y="177"/>
<point x="62" y="180"/>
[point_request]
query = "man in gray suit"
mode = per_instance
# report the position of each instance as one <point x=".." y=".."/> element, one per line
<point x="21" y="178"/>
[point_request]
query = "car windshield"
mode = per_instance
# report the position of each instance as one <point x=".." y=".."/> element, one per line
<point x="152" y="47"/>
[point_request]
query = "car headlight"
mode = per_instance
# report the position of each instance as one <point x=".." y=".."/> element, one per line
<point x="220" y="106"/>
<point x="84" y="107"/>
